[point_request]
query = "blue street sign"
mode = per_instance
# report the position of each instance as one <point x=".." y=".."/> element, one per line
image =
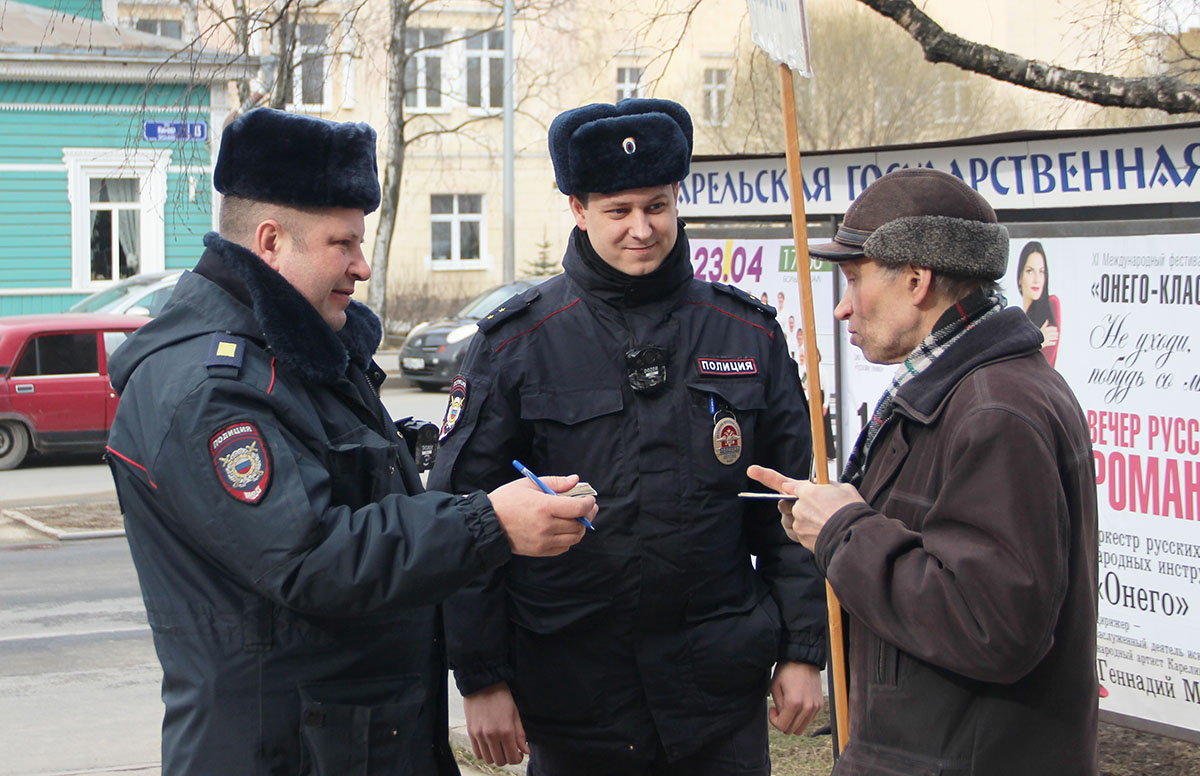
<point x="196" y="131"/>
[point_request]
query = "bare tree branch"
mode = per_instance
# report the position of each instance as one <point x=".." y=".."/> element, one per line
<point x="1160" y="92"/>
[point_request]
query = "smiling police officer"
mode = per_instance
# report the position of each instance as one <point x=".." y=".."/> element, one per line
<point x="648" y="647"/>
<point x="288" y="557"/>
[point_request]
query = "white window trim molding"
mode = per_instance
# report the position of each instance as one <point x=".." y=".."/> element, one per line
<point x="329" y="61"/>
<point x="459" y="265"/>
<point x="447" y="59"/>
<point x="452" y="264"/>
<point x="150" y="166"/>
<point x="710" y="93"/>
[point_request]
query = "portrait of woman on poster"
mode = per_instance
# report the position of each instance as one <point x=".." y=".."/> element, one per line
<point x="1033" y="281"/>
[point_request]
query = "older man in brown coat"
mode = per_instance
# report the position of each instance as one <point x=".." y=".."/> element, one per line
<point x="962" y="542"/>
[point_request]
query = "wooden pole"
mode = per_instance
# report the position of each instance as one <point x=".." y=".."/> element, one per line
<point x="808" y="320"/>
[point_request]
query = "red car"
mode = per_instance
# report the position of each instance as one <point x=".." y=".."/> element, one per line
<point x="54" y="390"/>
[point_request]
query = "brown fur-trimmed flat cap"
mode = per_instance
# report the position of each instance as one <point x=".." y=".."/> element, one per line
<point x="925" y="218"/>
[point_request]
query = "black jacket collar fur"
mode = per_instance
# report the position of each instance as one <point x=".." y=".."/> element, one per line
<point x="291" y="327"/>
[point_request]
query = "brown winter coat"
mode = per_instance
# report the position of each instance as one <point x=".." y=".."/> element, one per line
<point x="969" y="577"/>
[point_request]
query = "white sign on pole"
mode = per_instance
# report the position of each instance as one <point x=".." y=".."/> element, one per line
<point x="780" y="28"/>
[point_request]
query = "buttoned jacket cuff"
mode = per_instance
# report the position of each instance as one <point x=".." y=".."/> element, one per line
<point x="800" y="648"/>
<point x="480" y="677"/>
<point x="485" y="528"/>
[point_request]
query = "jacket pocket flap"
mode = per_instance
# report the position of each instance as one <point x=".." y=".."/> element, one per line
<point x="542" y="610"/>
<point x="739" y="394"/>
<point x="569" y="406"/>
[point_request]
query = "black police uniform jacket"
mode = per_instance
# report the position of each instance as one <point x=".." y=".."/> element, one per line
<point x="657" y="621"/>
<point x="289" y="562"/>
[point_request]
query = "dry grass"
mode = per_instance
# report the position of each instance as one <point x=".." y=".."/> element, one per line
<point x="84" y="516"/>
<point x="1123" y="752"/>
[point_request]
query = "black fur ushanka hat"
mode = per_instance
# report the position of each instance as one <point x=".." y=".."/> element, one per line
<point x="290" y="159"/>
<point x="634" y="144"/>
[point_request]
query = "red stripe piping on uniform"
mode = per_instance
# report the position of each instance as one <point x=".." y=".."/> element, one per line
<point x="272" y="385"/>
<point x="132" y="462"/>
<point x="770" y="333"/>
<point x="539" y="323"/>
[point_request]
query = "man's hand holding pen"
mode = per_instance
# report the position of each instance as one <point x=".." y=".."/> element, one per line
<point x="814" y="504"/>
<point x="538" y="524"/>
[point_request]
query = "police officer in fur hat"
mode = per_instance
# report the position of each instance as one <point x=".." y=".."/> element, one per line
<point x="651" y="646"/>
<point x="288" y="555"/>
<point x="962" y="540"/>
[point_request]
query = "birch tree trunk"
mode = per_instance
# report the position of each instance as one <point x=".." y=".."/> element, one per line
<point x="1161" y="92"/>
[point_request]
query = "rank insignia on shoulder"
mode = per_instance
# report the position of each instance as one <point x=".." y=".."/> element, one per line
<point x="745" y="296"/>
<point x="456" y="407"/>
<point x="512" y="307"/>
<point x="226" y="350"/>
<point x="239" y="454"/>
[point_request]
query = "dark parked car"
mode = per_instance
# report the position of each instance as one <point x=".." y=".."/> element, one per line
<point x="433" y="352"/>
<point x="54" y="389"/>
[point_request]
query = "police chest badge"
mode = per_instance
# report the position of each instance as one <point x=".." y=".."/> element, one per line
<point x="727" y="438"/>
<point x="454" y="410"/>
<point x="241" y="460"/>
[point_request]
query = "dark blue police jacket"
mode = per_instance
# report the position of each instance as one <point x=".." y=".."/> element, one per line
<point x="657" y="623"/>
<point x="289" y="561"/>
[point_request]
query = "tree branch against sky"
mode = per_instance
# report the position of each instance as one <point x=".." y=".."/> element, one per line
<point x="1161" y="92"/>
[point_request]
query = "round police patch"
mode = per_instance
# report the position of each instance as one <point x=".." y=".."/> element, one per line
<point x="454" y="410"/>
<point x="727" y="439"/>
<point x="240" y="457"/>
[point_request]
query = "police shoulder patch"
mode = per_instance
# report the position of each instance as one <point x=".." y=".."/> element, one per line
<point x="510" y="309"/>
<point x="744" y="296"/>
<point x="239" y="454"/>
<point x="456" y="406"/>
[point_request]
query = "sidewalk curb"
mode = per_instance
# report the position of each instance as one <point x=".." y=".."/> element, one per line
<point x="60" y="535"/>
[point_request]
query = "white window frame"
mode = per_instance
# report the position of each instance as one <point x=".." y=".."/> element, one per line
<point x="349" y="41"/>
<point x="627" y="89"/>
<point x="455" y="219"/>
<point x="327" y="59"/>
<point x="716" y="96"/>
<point x="485" y="56"/>
<point x="150" y="168"/>
<point x="420" y="60"/>
<point x="950" y="94"/>
<point x="136" y="20"/>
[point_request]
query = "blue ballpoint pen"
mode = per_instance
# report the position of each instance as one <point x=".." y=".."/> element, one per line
<point x="546" y="489"/>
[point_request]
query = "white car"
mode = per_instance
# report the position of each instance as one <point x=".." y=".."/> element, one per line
<point x="139" y="295"/>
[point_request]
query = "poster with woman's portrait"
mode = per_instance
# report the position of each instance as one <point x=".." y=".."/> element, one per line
<point x="1118" y="315"/>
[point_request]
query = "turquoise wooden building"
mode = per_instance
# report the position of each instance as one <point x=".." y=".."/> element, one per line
<point x="106" y="151"/>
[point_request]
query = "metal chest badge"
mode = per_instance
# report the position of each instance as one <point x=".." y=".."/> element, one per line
<point x="458" y="403"/>
<point x="727" y="438"/>
<point x="239" y="454"/>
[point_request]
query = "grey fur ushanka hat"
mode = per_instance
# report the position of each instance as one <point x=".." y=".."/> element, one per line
<point x="290" y="159"/>
<point x="925" y="218"/>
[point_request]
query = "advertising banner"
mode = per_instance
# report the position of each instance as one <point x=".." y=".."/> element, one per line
<point x="1119" y="315"/>
<point x="767" y="270"/>
<point x="1114" y="169"/>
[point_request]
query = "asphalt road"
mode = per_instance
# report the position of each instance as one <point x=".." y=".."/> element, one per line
<point x="79" y="680"/>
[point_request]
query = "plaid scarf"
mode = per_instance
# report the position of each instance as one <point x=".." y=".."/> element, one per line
<point x="954" y="323"/>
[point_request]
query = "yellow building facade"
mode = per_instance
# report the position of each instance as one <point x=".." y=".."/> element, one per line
<point x="449" y="233"/>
